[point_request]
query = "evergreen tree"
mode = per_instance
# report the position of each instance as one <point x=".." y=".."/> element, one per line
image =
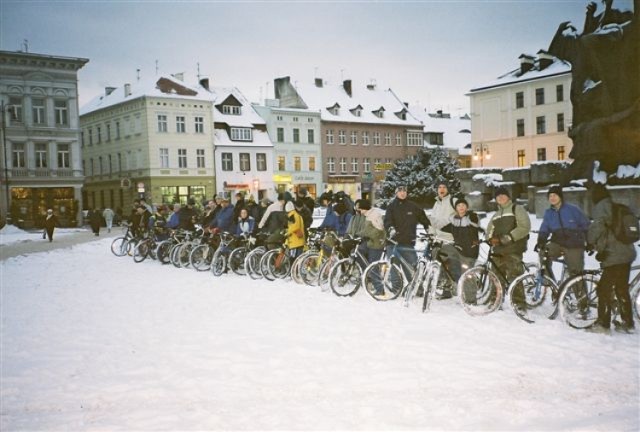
<point x="421" y="174"/>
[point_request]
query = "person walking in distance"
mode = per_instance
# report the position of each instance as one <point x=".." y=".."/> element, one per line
<point x="108" y="215"/>
<point x="95" y="220"/>
<point x="50" y="222"/>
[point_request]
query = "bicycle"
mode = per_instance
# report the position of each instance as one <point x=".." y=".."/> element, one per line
<point x="220" y="257"/>
<point x="345" y="277"/>
<point x="252" y="260"/>
<point x="121" y="246"/>
<point x="202" y="254"/>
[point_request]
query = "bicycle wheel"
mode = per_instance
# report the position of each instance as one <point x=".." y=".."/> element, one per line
<point x="219" y="262"/>
<point x="295" y="268"/>
<point x="345" y="277"/>
<point x="415" y="284"/>
<point x="200" y="257"/>
<point x="578" y="302"/>
<point x="532" y="300"/>
<point x="264" y="264"/>
<point x="141" y="251"/>
<point x="480" y="291"/>
<point x="120" y="246"/>
<point x="252" y="262"/>
<point x="431" y="285"/>
<point x="279" y="264"/>
<point x="163" y="251"/>
<point x="236" y="260"/>
<point x="175" y="254"/>
<point x="309" y="268"/>
<point x="635" y="298"/>
<point x="184" y="253"/>
<point x="383" y="280"/>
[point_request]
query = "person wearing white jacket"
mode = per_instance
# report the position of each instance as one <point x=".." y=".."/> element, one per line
<point x="108" y="215"/>
<point x="441" y="213"/>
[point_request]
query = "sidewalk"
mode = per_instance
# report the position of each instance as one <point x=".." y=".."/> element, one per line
<point x="59" y="242"/>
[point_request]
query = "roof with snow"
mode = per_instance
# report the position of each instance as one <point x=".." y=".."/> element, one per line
<point x="259" y="139"/>
<point x="538" y="71"/>
<point x="455" y="130"/>
<point x="231" y="96"/>
<point x="165" y="86"/>
<point x="360" y="106"/>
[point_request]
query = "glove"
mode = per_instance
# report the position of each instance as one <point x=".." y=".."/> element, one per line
<point x="505" y="239"/>
<point x="495" y="241"/>
<point x="538" y="247"/>
<point x="392" y="232"/>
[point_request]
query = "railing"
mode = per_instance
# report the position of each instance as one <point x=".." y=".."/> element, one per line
<point x="42" y="172"/>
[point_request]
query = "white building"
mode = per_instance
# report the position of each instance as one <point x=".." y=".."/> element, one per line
<point x="524" y="115"/>
<point x="243" y="150"/>
<point x="295" y="134"/>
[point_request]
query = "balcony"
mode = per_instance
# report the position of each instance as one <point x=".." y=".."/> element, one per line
<point x="43" y="173"/>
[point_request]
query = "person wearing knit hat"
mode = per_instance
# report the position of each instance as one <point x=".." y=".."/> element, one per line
<point x="443" y="209"/>
<point x="563" y="232"/>
<point x="501" y="190"/>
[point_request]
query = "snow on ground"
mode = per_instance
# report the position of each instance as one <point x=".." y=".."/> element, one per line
<point x="11" y="234"/>
<point x="92" y="341"/>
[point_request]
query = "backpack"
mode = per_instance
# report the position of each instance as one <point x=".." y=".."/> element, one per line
<point x="625" y="225"/>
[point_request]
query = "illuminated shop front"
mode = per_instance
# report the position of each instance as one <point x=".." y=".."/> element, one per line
<point x="29" y="205"/>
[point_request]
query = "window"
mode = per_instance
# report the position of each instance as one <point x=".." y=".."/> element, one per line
<point x="354" y="165"/>
<point x="108" y="132"/>
<point x="398" y="139"/>
<point x="414" y="139"/>
<point x="312" y="163"/>
<point x="41" y="155"/>
<point x="387" y="139"/>
<point x="559" y="93"/>
<point x="436" y="138"/>
<point x="279" y="118"/>
<point x="541" y="127"/>
<point x="539" y="96"/>
<point x="376" y="138"/>
<point x="100" y="165"/>
<point x="241" y="134"/>
<point x="282" y="163"/>
<point x="542" y="154"/>
<point x="310" y="136"/>
<point x="296" y="135"/>
<point x="117" y="130"/>
<point x="261" y="161"/>
<point x="18" y="156"/>
<point x="520" y="127"/>
<point x="521" y="158"/>
<point x="366" y="165"/>
<point x="90" y="133"/>
<point x="227" y="162"/>
<point x="376" y="164"/>
<point x="245" y="162"/>
<point x="119" y="161"/>
<point x="561" y="153"/>
<point x="329" y="136"/>
<point x="309" y="119"/>
<point x="37" y="109"/>
<point x="519" y="100"/>
<point x="61" y="112"/>
<point x="199" y="124"/>
<point x="342" y="137"/>
<point x="295" y="119"/>
<point x="331" y="165"/>
<point x="280" y="135"/>
<point x="200" y="158"/>
<point x="91" y="168"/>
<point x="560" y="122"/>
<point x="365" y="138"/>
<point x="180" y="124"/>
<point x="15" y="109"/>
<point x="110" y="166"/>
<point x="182" y="158"/>
<point x="64" y="158"/>
<point x="343" y="164"/>
<point x="99" y="134"/>
<point x="230" y="109"/>
<point x="297" y="163"/>
<point x="162" y="123"/>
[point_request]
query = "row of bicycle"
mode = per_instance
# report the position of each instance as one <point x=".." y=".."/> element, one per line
<point x="338" y="264"/>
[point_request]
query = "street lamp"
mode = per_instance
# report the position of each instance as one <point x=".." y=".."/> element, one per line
<point x="482" y="153"/>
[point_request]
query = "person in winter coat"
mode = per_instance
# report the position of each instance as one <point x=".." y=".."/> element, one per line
<point x="252" y="207"/>
<point x="158" y="221"/>
<point x="224" y="221"/>
<point x="374" y="236"/>
<point x="615" y="259"/>
<point x="50" y="222"/>
<point x="145" y="217"/>
<point x="357" y="220"/>
<point x="245" y="223"/>
<point x="295" y="228"/>
<point x="277" y="206"/>
<point x="188" y="216"/>
<point x="464" y="228"/>
<point x="564" y="226"/>
<point x="443" y="209"/>
<point x="309" y="202"/>
<point x="337" y="219"/>
<point x="508" y="231"/>
<point x="240" y="204"/>
<point x="108" y="215"/>
<point x="95" y="220"/>
<point x="174" y="218"/>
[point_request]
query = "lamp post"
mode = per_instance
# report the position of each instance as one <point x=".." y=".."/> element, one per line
<point x="5" y="160"/>
<point x="481" y="153"/>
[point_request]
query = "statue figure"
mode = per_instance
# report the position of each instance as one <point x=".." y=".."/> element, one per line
<point x="605" y="88"/>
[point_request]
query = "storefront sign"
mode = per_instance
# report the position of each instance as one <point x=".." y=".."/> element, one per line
<point x="282" y="178"/>
<point x="236" y="186"/>
<point x="383" y="166"/>
<point x="303" y="178"/>
<point x="342" y="179"/>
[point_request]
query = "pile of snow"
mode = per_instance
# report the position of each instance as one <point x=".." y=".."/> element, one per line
<point x="489" y="179"/>
<point x="11" y="234"/>
<point x="628" y="171"/>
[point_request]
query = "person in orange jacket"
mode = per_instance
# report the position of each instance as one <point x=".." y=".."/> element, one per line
<point x="295" y="228"/>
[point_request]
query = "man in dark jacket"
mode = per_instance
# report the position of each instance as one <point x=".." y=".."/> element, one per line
<point x="188" y="215"/>
<point x="615" y="259"/>
<point x="224" y="219"/>
<point x="240" y="204"/>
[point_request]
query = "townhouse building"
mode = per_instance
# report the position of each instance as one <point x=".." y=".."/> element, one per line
<point x="524" y="115"/>
<point x="151" y="139"/>
<point x="243" y="149"/>
<point x="41" y="160"/>
<point x="295" y="134"/>
<point x="363" y="130"/>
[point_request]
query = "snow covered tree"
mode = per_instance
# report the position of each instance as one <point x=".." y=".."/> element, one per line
<point x="421" y="174"/>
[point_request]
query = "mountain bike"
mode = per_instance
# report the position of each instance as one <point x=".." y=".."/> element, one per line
<point x="345" y="277"/>
<point x="121" y="246"/>
<point x="221" y="255"/>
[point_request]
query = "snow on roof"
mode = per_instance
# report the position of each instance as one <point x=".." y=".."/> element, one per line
<point x="248" y="116"/>
<point x="370" y="98"/>
<point x="557" y="67"/>
<point x="147" y="88"/>
<point x="455" y="130"/>
<point x="260" y="139"/>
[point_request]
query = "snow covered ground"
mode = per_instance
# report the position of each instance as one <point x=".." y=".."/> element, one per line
<point x="90" y="341"/>
<point x="12" y="234"/>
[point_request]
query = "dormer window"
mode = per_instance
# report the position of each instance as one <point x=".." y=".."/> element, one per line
<point x="357" y="111"/>
<point x="379" y="112"/>
<point x="231" y="109"/>
<point x="402" y="115"/>
<point x="241" y="134"/>
<point x="335" y="109"/>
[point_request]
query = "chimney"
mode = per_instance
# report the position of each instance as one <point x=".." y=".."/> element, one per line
<point x="347" y="86"/>
<point x="319" y="83"/>
<point x="406" y="104"/>
<point x="179" y="76"/>
<point x="108" y="90"/>
<point x="204" y="82"/>
<point x="526" y="63"/>
<point x="127" y="90"/>
<point x="544" y="59"/>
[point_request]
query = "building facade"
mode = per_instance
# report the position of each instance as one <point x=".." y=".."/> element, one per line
<point x="295" y="134"/>
<point x="523" y="116"/>
<point x="41" y="157"/>
<point x="363" y="131"/>
<point x="153" y="139"/>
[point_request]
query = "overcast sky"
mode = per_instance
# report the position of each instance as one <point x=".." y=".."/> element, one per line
<point x="431" y="52"/>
